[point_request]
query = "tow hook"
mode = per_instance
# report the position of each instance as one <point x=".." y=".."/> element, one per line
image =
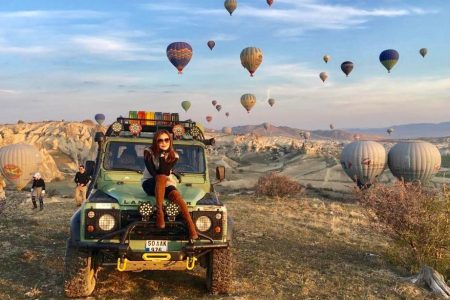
<point x="121" y="264"/>
<point x="190" y="262"/>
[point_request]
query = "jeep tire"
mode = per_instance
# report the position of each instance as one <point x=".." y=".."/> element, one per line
<point x="79" y="272"/>
<point x="218" y="271"/>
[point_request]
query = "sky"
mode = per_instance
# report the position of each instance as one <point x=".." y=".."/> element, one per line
<point x="72" y="59"/>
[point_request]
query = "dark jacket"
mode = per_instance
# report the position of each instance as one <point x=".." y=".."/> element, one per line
<point x="38" y="183"/>
<point x="82" y="178"/>
<point x="163" y="168"/>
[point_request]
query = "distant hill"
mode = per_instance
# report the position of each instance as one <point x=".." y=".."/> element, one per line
<point x="409" y="131"/>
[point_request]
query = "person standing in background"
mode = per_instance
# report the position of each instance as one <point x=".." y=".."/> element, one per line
<point x="38" y="191"/>
<point x="82" y="180"/>
<point x="2" y="189"/>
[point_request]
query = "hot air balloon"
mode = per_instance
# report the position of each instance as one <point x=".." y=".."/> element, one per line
<point x="179" y="54"/>
<point x="423" y="52"/>
<point x="271" y="101"/>
<point x="186" y="105"/>
<point x="227" y="130"/>
<point x="326" y="58"/>
<point x="100" y="118"/>
<point x="214" y="102"/>
<point x="218" y="107"/>
<point x="267" y="126"/>
<point x="230" y="5"/>
<point x="251" y="58"/>
<point x="18" y="163"/>
<point x="389" y="58"/>
<point x="211" y="44"/>
<point x="270" y="2"/>
<point x="227" y="114"/>
<point x="209" y="118"/>
<point x="414" y="161"/>
<point x="390" y="130"/>
<point x="307" y="135"/>
<point x="331" y="126"/>
<point x="248" y="101"/>
<point x="363" y="161"/>
<point x="347" y="67"/>
<point x="356" y="137"/>
<point x="323" y="76"/>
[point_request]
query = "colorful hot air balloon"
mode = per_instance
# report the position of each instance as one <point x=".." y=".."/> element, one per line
<point x="211" y="44"/>
<point x="218" y="107"/>
<point x="186" y="105"/>
<point x="326" y="58"/>
<point x="227" y="114"/>
<point x="270" y="2"/>
<point x="323" y="76"/>
<point x="100" y="118"/>
<point x="214" y="102"/>
<point x="347" y="67"/>
<point x="363" y="161"/>
<point x="251" y="59"/>
<point x="179" y="54"/>
<point x="413" y="161"/>
<point x="248" y="101"/>
<point x="230" y="5"/>
<point x="18" y="163"/>
<point x="271" y="101"/>
<point x="267" y="126"/>
<point x="209" y="118"/>
<point x="227" y="130"/>
<point x="389" y="58"/>
<point x="390" y="130"/>
<point x="423" y="52"/>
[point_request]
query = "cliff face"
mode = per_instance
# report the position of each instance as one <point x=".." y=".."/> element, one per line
<point x="63" y="145"/>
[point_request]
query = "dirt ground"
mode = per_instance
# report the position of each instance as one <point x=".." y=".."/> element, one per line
<point x="310" y="247"/>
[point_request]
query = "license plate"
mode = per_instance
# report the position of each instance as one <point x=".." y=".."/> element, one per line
<point x="156" y="245"/>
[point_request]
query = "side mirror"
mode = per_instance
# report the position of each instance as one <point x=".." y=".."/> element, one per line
<point x="220" y="173"/>
<point x="99" y="137"/>
<point x="90" y="167"/>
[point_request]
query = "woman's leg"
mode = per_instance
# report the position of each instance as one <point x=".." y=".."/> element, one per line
<point x="160" y="190"/>
<point x="175" y="197"/>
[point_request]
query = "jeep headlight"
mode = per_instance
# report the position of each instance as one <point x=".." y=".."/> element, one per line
<point x="203" y="223"/>
<point x="106" y="222"/>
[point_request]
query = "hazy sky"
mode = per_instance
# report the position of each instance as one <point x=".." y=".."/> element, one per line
<point x="72" y="59"/>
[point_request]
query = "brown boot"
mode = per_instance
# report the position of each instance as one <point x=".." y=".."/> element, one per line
<point x="175" y="197"/>
<point x="160" y="190"/>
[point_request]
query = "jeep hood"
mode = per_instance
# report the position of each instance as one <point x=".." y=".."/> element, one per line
<point x="133" y="194"/>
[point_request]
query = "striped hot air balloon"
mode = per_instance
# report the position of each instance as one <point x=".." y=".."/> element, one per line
<point x="211" y="44"/>
<point x="363" y="161"/>
<point x="414" y="161"/>
<point x="323" y="76"/>
<point x="347" y="67"/>
<point x="179" y="54"/>
<point x="248" y="101"/>
<point x="18" y="163"/>
<point x="389" y="58"/>
<point x="230" y="5"/>
<point x="218" y="107"/>
<point x="251" y="59"/>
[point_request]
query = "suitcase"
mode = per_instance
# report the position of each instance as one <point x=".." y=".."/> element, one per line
<point x="150" y="116"/>
<point x="167" y="118"/>
<point x="158" y="118"/>
<point x="175" y="117"/>
<point x="132" y="115"/>
<point x="141" y="115"/>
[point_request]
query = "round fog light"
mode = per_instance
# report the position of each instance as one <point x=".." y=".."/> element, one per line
<point x="90" y="228"/>
<point x="218" y="216"/>
<point x="203" y="223"/>
<point x="91" y="214"/>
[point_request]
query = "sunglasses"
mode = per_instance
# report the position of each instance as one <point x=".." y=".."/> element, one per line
<point x="163" y="140"/>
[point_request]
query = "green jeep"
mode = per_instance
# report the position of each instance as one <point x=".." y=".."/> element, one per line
<point x="116" y="226"/>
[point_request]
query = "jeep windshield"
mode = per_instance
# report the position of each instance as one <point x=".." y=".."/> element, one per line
<point x="129" y="156"/>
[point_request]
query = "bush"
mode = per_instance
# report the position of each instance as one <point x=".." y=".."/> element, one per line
<point x="276" y="185"/>
<point x="417" y="220"/>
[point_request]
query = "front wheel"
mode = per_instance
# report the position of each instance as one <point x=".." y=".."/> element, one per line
<point x="219" y="271"/>
<point x="79" y="272"/>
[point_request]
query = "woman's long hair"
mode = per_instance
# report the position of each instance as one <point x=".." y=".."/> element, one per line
<point x="171" y="157"/>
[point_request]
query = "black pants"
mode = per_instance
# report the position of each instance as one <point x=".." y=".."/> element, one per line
<point x="150" y="184"/>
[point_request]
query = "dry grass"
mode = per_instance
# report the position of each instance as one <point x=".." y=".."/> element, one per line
<point x="418" y="220"/>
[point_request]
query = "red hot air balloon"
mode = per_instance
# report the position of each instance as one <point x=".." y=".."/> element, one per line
<point x="270" y="2"/>
<point x="179" y="54"/>
<point x="209" y="118"/>
<point x="211" y="44"/>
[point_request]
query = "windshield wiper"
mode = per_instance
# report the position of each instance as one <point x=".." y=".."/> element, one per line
<point x="127" y="169"/>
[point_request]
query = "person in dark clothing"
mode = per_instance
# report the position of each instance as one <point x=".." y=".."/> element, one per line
<point x="38" y="191"/>
<point x="158" y="179"/>
<point x="82" y="180"/>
